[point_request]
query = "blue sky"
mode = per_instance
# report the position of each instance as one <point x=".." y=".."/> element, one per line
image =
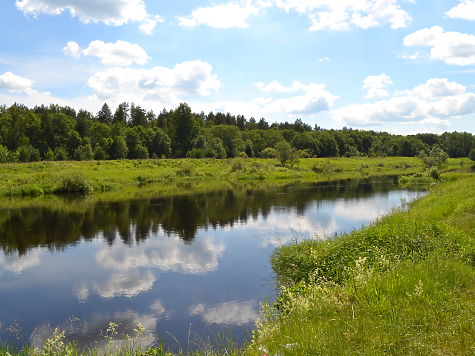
<point x="402" y="66"/>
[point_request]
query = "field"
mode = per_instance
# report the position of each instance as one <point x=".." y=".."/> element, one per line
<point x="404" y="285"/>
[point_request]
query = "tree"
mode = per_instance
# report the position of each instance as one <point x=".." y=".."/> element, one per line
<point x="185" y="130"/>
<point x="105" y="115"/>
<point x="119" y="148"/>
<point x="286" y="154"/>
<point x="436" y="157"/>
<point x="471" y="154"/>
<point x="121" y="115"/>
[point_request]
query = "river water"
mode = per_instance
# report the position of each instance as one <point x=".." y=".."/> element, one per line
<point x="192" y="269"/>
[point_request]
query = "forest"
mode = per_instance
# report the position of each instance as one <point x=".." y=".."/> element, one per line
<point x="55" y="133"/>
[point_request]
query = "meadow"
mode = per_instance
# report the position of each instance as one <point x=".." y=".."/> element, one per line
<point x="403" y="285"/>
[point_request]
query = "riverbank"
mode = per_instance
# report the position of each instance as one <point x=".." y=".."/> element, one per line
<point x="405" y="285"/>
<point x="27" y="184"/>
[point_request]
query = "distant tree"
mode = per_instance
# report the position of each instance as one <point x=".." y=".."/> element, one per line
<point x="105" y="115"/>
<point x="119" y="148"/>
<point x="121" y="115"/>
<point x="286" y="154"/>
<point x="471" y="154"/>
<point x="3" y="154"/>
<point x="185" y="130"/>
<point x="138" y="116"/>
<point x="100" y="154"/>
<point x="161" y="144"/>
<point x="436" y="157"/>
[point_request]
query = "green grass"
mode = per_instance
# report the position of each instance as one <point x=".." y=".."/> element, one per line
<point x="128" y="178"/>
<point x="402" y="286"/>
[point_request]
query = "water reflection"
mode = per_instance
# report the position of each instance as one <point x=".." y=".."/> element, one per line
<point x="179" y="265"/>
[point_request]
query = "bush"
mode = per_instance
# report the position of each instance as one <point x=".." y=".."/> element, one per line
<point x="74" y="183"/>
<point x="100" y="154"/>
<point x="196" y="153"/>
<point x="242" y="155"/>
<point x="3" y="154"/>
<point x="237" y="165"/>
<point x="28" y="153"/>
<point x="471" y="154"/>
<point x="435" y="174"/>
<point x="60" y="154"/>
<point x="268" y="153"/>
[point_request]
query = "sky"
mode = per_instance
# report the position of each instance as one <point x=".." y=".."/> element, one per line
<point x="403" y="66"/>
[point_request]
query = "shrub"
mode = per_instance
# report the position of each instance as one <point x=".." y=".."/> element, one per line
<point x="268" y="153"/>
<point x="3" y="154"/>
<point x="471" y="154"/>
<point x="242" y="155"/>
<point x="28" y="153"/>
<point x="435" y="174"/>
<point x="141" y="152"/>
<point x="196" y="153"/>
<point x="237" y="165"/>
<point x="60" y="154"/>
<point x="74" y="183"/>
<point x="100" y="154"/>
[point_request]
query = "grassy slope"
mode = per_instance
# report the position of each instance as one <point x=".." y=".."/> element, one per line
<point x="32" y="183"/>
<point x="404" y="286"/>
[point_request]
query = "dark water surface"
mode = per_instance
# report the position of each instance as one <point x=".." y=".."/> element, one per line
<point x="185" y="267"/>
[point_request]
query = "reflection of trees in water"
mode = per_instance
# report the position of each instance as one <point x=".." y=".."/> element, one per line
<point x="135" y="220"/>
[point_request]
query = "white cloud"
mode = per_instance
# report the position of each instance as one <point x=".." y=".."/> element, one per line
<point x="15" y="84"/>
<point x="450" y="47"/>
<point x="168" y="254"/>
<point x="231" y="313"/>
<point x="148" y="26"/>
<point x="465" y="10"/>
<point x="435" y="102"/>
<point x="72" y="49"/>
<point x="112" y="13"/>
<point x="313" y="98"/>
<point x="346" y="14"/>
<point x="120" y="53"/>
<point x="324" y="59"/>
<point x="220" y="16"/>
<point x="17" y="264"/>
<point x="376" y="86"/>
<point x="439" y="87"/>
<point x="115" y="13"/>
<point x="128" y="284"/>
<point x="156" y="84"/>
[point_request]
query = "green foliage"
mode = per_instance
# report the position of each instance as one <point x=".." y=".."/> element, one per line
<point x="286" y="154"/>
<point x="49" y="155"/>
<point x="3" y="154"/>
<point x="471" y="154"/>
<point x="73" y="183"/>
<point x="28" y="153"/>
<point x="83" y="153"/>
<point x="60" y="154"/>
<point x="269" y="153"/>
<point x="141" y="152"/>
<point x="100" y="154"/>
<point x="436" y="158"/>
<point x="118" y="148"/>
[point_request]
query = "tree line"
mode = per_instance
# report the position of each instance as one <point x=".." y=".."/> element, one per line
<point x="61" y="133"/>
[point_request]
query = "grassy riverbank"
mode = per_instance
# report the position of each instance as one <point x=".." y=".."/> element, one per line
<point x="403" y="286"/>
<point x="116" y="180"/>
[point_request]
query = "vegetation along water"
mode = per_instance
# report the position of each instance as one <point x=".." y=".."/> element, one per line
<point x="168" y="197"/>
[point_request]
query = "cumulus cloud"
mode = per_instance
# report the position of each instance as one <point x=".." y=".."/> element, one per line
<point x="17" y="264"/>
<point x="450" y="47"/>
<point x="168" y="254"/>
<point x="220" y="16"/>
<point x="313" y="98"/>
<point x="112" y="13"/>
<point x="15" y="84"/>
<point x="464" y="10"/>
<point x="230" y="313"/>
<point x="435" y="101"/>
<point x="120" y="53"/>
<point x="128" y="284"/>
<point x="148" y="26"/>
<point x="376" y="86"/>
<point x="162" y="84"/>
